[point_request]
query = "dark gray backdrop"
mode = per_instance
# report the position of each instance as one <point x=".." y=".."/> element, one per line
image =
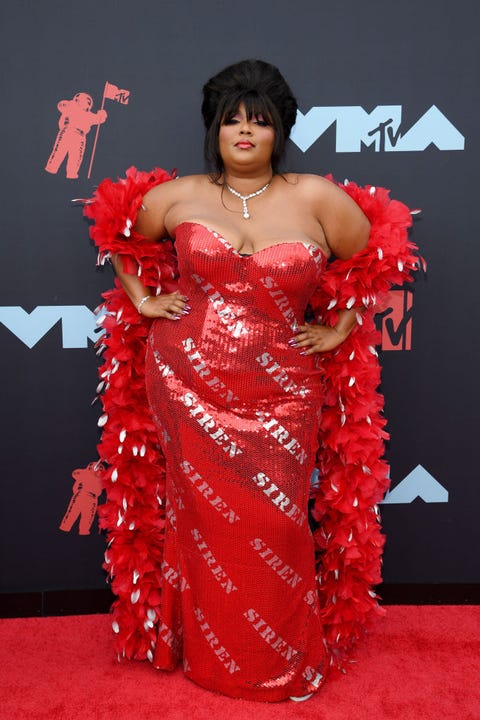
<point x="407" y="54"/>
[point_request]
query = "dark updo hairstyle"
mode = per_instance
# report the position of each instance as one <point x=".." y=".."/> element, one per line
<point x="263" y="90"/>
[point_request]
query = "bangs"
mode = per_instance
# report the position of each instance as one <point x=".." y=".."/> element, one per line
<point x="255" y="105"/>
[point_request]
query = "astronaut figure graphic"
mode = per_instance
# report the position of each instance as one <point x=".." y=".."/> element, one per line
<point x="86" y="490"/>
<point x="76" y="120"/>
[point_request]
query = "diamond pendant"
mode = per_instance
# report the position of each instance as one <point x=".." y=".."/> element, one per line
<point x="244" y="198"/>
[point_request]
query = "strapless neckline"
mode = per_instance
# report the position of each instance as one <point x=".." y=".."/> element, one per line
<point x="246" y="256"/>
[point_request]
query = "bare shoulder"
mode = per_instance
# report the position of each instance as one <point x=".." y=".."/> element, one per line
<point x="318" y="187"/>
<point x="345" y="226"/>
<point x="170" y="191"/>
<point x="158" y="201"/>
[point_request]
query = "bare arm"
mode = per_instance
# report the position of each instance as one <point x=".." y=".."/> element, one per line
<point x="151" y="224"/>
<point x="346" y="229"/>
<point x="170" y="306"/>
<point x="345" y="225"/>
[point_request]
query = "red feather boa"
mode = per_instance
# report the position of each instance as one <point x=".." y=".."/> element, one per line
<point x="354" y="477"/>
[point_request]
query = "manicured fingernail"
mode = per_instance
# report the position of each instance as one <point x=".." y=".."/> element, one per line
<point x="187" y="307"/>
<point x="185" y="312"/>
<point x="293" y="342"/>
<point x="177" y="317"/>
<point x="304" y="352"/>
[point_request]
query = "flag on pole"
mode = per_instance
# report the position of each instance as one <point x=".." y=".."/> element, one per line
<point x="112" y="92"/>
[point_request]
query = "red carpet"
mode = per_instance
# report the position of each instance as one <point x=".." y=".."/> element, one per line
<point x="422" y="663"/>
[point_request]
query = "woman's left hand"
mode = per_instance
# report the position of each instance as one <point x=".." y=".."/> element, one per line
<point x="317" y="338"/>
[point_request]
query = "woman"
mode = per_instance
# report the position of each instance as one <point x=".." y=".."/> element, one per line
<point x="236" y="381"/>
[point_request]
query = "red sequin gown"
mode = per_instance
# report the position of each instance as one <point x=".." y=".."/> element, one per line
<point x="233" y="593"/>
<point x="237" y="411"/>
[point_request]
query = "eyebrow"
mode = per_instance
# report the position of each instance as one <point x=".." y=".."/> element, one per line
<point x="253" y="115"/>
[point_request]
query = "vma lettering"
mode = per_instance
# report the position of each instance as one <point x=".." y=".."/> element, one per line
<point x="381" y="129"/>
<point x="78" y="324"/>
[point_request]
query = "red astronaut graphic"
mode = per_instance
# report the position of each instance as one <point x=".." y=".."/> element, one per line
<point x="76" y="120"/>
<point x="86" y="490"/>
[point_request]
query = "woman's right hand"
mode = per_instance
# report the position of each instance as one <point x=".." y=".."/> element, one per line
<point x="171" y="306"/>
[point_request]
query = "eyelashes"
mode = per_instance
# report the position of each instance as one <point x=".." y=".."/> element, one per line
<point x="259" y="120"/>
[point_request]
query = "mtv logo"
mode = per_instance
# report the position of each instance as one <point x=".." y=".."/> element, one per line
<point x="396" y="321"/>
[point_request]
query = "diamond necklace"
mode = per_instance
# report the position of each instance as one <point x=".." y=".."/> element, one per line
<point x="244" y="198"/>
